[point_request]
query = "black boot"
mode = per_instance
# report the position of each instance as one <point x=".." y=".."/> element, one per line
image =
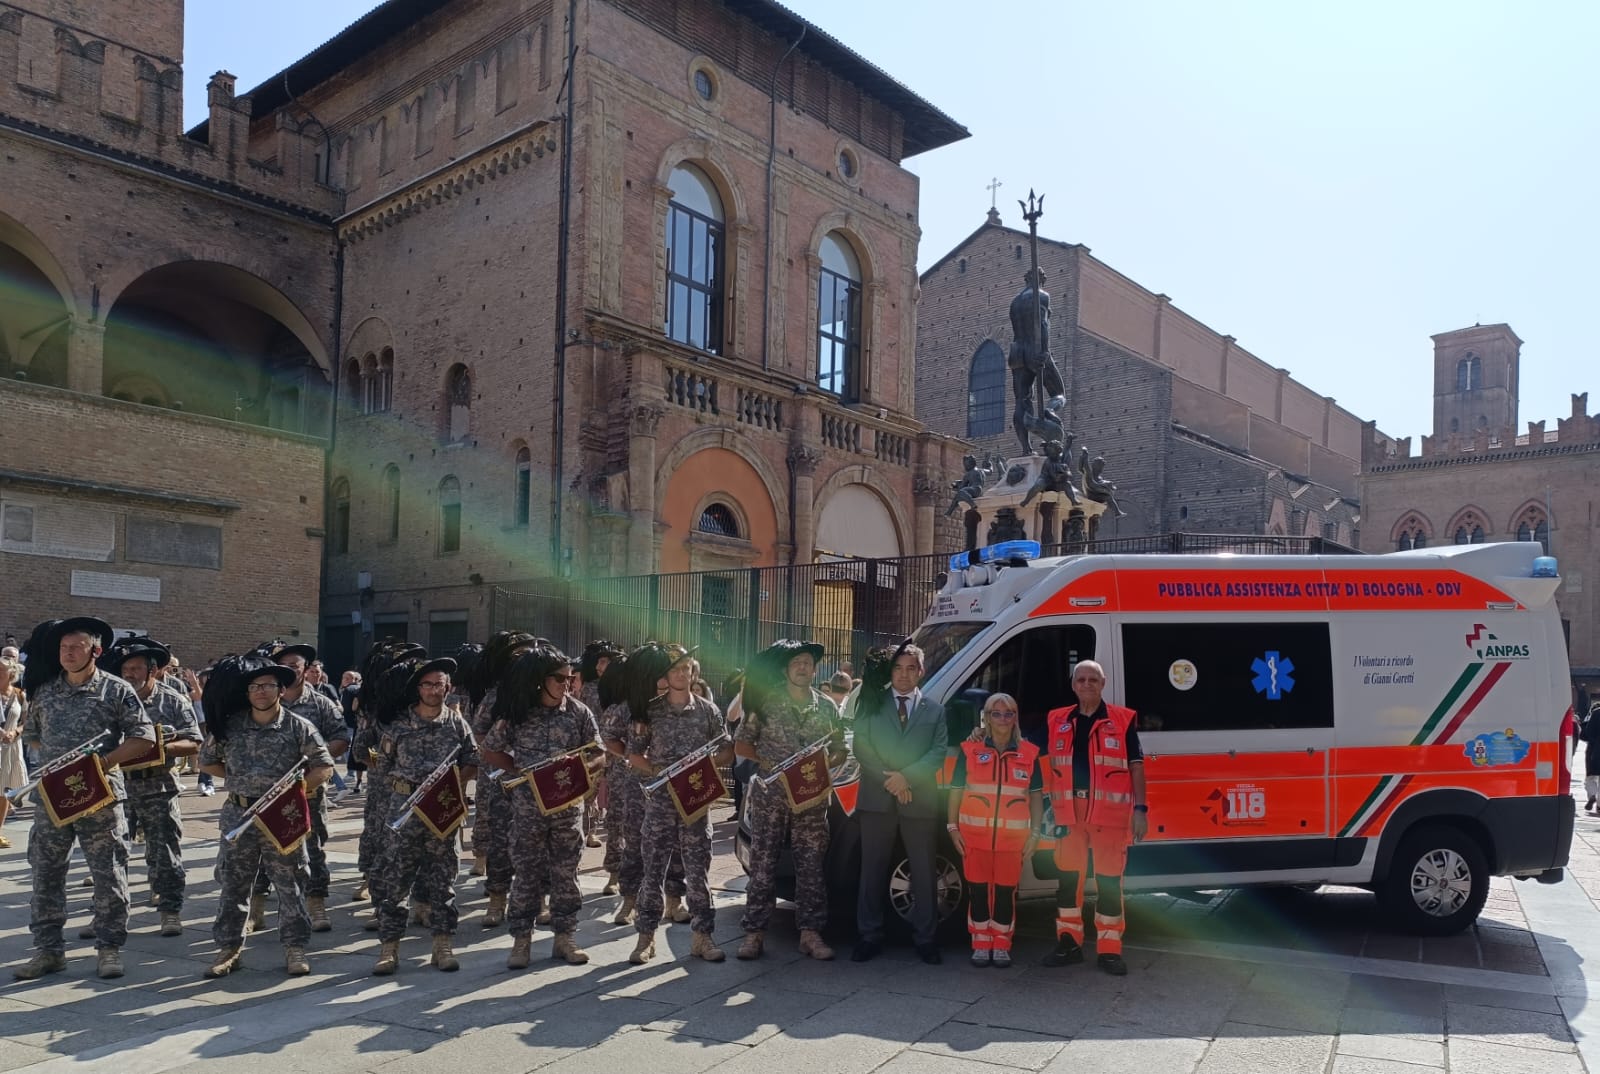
<point x="1068" y="952"/>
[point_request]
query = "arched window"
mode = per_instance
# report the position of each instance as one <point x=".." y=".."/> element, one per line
<point x="339" y="530"/>
<point x="1412" y="535"/>
<point x="369" y="384"/>
<point x="522" y="493"/>
<point x="1468" y="528"/>
<point x="353" y="385"/>
<point x="1455" y="425"/>
<point x="718" y="518"/>
<point x="458" y="404"/>
<point x="449" y="515"/>
<point x="839" y="319"/>
<point x="391" y="503"/>
<point x="1469" y="373"/>
<point x="1532" y="525"/>
<point x="694" y="260"/>
<point x="383" y="394"/>
<point x="986" y="391"/>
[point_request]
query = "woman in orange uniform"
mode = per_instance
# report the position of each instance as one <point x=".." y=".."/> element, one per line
<point x="990" y="825"/>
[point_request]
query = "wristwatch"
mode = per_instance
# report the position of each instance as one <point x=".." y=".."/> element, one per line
<point x="1141" y="809"/>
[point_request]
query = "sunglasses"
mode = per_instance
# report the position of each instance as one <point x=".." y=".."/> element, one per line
<point x="1002" y="714"/>
<point x="561" y="678"/>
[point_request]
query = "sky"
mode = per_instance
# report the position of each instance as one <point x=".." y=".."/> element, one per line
<point x="1330" y="183"/>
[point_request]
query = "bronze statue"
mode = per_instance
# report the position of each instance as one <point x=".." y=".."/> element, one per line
<point x="972" y="483"/>
<point x="1095" y="486"/>
<point x="1030" y="360"/>
<point x="1055" y="475"/>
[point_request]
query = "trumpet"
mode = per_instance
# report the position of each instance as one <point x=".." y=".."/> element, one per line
<point x="686" y="762"/>
<point x="793" y="759"/>
<point x="499" y="774"/>
<point x="263" y="801"/>
<point x="69" y="758"/>
<point x="423" y="788"/>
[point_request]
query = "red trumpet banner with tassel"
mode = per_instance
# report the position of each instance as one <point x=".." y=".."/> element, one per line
<point x="76" y="790"/>
<point x="807" y="782"/>
<point x="695" y="788"/>
<point x="286" y="820"/>
<point x="444" y="805"/>
<point x="154" y="755"/>
<point x="558" y="785"/>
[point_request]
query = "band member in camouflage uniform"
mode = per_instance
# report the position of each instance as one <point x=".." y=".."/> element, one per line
<point x="612" y="715"/>
<point x="643" y="677"/>
<point x="491" y="826"/>
<point x="370" y="699"/>
<point x="597" y="656"/>
<point x="535" y="720"/>
<point x="75" y="702"/>
<point x="782" y="716"/>
<point x="153" y="792"/>
<point x="324" y="715"/>
<point x="414" y="743"/>
<point x="676" y="724"/>
<point x="254" y="745"/>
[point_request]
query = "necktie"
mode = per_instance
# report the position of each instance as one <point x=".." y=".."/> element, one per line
<point x="904" y="715"/>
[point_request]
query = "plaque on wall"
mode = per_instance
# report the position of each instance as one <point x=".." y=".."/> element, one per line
<point x="107" y="586"/>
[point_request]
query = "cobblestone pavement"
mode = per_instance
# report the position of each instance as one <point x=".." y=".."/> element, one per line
<point x="1274" y="982"/>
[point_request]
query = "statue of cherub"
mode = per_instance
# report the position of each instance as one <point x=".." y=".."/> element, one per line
<point x="1095" y="486"/>
<point x="973" y="481"/>
<point x="1055" y="475"/>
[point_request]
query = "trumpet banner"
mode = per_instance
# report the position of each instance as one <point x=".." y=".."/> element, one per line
<point x="444" y="806"/>
<point x="808" y="782"/>
<point x="154" y="755"/>
<point x="695" y="788"/>
<point x="76" y="790"/>
<point x="286" y="820"/>
<point x="558" y="785"/>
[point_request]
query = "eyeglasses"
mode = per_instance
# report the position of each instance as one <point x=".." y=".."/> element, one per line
<point x="433" y="685"/>
<point x="262" y="687"/>
<point x="1002" y="714"/>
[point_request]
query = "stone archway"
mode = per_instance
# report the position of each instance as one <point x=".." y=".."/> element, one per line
<point x="35" y="309"/>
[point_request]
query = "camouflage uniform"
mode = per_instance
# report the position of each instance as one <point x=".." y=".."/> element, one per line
<point x="589" y="694"/>
<point x="365" y="745"/>
<point x="324" y="715"/>
<point x="544" y="849"/>
<point x="413" y="859"/>
<point x="670" y="734"/>
<point x="255" y="757"/>
<point x="153" y="799"/>
<point x="626" y="825"/>
<point x="777" y="734"/>
<point x="491" y="826"/>
<point x="61" y="716"/>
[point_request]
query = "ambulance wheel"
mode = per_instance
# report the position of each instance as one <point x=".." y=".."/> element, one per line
<point x="950" y="890"/>
<point x="1437" y="881"/>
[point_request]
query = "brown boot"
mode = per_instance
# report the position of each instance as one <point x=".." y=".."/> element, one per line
<point x="317" y="906"/>
<point x="362" y="893"/>
<point x="566" y="946"/>
<point x="676" y="912"/>
<point x="644" y="950"/>
<point x="443" y="957"/>
<point x="108" y="963"/>
<point x="227" y="960"/>
<point x="258" y="914"/>
<point x="171" y="923"/>
<point x="388" y="959"/>
<point x="611" y="885"/>
<point x="495" y="916"/>
<point x="88" y="932"/>
<point x="751" y="948"/>
<point x="422" y="914"/>
<point x="521" y="952"/>
<point x="704" y="947"/>
<point x="812" y="946"/>
<point x="544" y="911"/>
<point x="625" y="911"/>
<point x="294" y="961"/>
<point x="41" y="963"/>
<point x="480" y="864"/>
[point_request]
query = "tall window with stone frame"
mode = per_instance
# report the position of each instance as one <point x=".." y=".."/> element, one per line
<point x="695" y="235"/>
<point x="1412" y="535"/>
<point x="1469" y="373"/>
<point x="986" y="391"/>
<point x="1469" y="530"/>
<point x="449" y="515"/>
<point x="391" y="503"/>
<point x="383" y="390"/>
<point x="1533" y="526"/>
<point x="839" y="319"/>
<point x="457" y="404"/>
<point x="522" y="487"/>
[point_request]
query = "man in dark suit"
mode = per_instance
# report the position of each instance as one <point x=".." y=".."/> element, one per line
<point x="900" y="744"/>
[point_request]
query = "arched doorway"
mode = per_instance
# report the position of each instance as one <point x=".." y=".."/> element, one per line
<point x="852" y="600"/>
<point x="34" y="316"/>
<point x="215" y="340"/>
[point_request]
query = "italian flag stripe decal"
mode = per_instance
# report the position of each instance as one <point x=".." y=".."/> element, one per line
<point x="1447" y="704"/>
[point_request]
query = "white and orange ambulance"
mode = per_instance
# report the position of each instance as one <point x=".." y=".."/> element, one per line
<point x="1400" y="722"/>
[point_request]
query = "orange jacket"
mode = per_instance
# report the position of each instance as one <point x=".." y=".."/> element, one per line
<point x="1111" y="783"/>
<point x="993" y="813"/>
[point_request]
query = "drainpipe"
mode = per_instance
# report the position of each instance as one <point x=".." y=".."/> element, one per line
<point x="563" y="243"/>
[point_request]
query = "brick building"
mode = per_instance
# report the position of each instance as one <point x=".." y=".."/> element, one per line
<point x="1199" y="434"/>
<point x="1477" y="478"/>
<point x="166" y="331"/>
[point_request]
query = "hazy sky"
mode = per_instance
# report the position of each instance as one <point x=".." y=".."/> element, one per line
<point x="1331" y="183"/>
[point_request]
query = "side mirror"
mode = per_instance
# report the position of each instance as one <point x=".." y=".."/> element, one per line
<point x="961" y="714"/>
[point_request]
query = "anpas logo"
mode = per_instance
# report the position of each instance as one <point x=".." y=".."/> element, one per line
<point x="1488" y="646"/>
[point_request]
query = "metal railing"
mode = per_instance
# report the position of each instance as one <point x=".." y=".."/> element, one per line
<point x="848" y="606"/>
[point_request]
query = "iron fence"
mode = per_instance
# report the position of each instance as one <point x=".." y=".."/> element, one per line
<point x="848" y="606"/>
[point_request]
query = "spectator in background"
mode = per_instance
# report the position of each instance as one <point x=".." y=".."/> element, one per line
<point x="13" y="770"/>
<point x="838" y="688"/>
<point x="187" y="682"/>
<point x="317" y="679"/>
<point x="355" y="764"/>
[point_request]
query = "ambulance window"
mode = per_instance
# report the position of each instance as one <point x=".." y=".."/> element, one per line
<point x="1035" y="667"/>
<point x="1228" y="676"/>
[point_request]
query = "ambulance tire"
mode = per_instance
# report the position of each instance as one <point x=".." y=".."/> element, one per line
<point x="951" y="891"/>
<point x="1438" y="851"/>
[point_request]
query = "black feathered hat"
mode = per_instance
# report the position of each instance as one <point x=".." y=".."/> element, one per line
<point x="383" y="655"/>
<point x="128" y="648"/>
<point x="522" y="685"/>
<point x="647" y="665"/>
<point x="41" y="661"/>
<point x="226" y="691"/>
<point x="82" y="624"/>
<point x="593" y="653"/>
<point x="444" y="663"/>
<point x="768" y="671"/>
<point x="613" y="682"/>
<point x="279" y="650"/>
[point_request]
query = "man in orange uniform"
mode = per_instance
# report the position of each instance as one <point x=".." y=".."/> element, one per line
<point x="1094" y="774"/>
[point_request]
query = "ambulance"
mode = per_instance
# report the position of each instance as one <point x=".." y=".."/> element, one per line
<point x="1399" y="722"/>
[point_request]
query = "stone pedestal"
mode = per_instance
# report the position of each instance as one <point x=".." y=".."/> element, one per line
<point x="1049" y="518"/>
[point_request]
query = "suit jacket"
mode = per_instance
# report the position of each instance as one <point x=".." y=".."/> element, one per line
<point x="917" y="753"/>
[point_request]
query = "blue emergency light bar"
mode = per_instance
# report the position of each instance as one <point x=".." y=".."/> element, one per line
<point x="995" y="553"/>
